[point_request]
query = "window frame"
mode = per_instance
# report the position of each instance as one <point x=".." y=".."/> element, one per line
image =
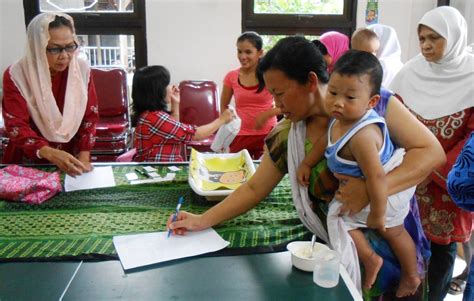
<point x="92" y="23"/>
<point x="299" y="23"/>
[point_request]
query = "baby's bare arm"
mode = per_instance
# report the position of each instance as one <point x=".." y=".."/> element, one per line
<point x="365" y="146"/>
<point x="317" y="152"/>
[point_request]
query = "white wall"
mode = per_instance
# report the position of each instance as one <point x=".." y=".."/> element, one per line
<point x="195" y="39"/>
<point x="466" y="7"/>
<point x="403" y="15"/>
<point x="12" y="32"/>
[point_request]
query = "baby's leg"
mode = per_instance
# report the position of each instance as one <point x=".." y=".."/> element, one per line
<point x="404" y="248"/>
<point x="372" y="261"/>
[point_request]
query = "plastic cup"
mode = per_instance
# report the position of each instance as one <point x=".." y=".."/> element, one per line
<point x="326" y="269"/>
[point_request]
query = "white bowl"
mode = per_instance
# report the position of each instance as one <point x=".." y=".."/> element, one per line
<point x="300" y="251"/>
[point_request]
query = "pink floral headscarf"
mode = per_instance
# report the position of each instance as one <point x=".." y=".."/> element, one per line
<point x="32" y="77"/>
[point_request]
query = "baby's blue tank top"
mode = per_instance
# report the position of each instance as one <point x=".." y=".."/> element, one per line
<point x="343" y="166"/>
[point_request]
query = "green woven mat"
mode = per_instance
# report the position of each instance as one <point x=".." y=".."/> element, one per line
<point x="81" y="224"/>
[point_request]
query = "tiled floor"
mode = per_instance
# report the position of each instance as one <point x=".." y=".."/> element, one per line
<point x="459" y="266"/>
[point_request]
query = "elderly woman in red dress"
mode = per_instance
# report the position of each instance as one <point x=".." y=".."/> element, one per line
<point x="437" y="87"/>
<point x="49" y="102"/>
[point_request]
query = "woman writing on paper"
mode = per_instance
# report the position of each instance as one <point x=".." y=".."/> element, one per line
<point x="295" y="73"/>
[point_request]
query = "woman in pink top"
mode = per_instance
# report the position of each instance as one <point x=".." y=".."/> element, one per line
<point x="336" y="45"/>
<point x="250" y="95"/>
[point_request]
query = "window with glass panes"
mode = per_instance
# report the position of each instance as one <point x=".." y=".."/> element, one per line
<point x="111" y="33"/>
<point x="274" y="19"/>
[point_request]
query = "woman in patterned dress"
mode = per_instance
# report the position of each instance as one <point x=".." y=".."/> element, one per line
<point x="49" y="100"/>
<point x="437" y="87"/>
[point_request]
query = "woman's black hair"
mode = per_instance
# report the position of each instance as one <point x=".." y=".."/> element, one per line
<point x="320" y="46"/>
<point x="356" y="62"/>
<point x="256" y="40"/>
<point x="296" y="57"/>
<point x="60" y="21"/>
<point x="149" y="91"/>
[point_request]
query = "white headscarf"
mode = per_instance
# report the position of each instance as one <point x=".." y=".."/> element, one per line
<point x="434" y="90"/>
<point x="389" y="52"/>
<point x="32" y="77"/>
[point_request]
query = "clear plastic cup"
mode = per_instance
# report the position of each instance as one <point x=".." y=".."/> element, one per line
<point x="326" y="269"/>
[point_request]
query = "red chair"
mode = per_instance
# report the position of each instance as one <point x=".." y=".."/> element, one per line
<point x="199" y="105"/>
<point x="113" y="128"/>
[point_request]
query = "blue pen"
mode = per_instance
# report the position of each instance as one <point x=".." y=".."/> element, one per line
<point x="175" y="216"/>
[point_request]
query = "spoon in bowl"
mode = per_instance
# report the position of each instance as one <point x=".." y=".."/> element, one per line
<point x="313" y="241"/>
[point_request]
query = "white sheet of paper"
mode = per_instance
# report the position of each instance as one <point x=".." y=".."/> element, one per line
<point x="174" y="168"/>
<point x="99" y="177"/>
<point x="149" y="168"/>
<point x="143" y="249"/>
<point x="131" y="176"/>
<point x="169" y="177"/>
<point x="154" y="175"/>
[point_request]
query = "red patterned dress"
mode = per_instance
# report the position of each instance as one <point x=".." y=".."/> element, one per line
<point x="25" y="137"/>
<point x="443" y="221"/>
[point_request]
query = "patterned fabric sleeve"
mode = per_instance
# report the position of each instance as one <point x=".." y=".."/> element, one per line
<point x="439" y="175"/>
<point x="17" y="119"/>
<point x="277" y="145"/>
<point x="461" y="177"/>
<point x="86" y="132"/>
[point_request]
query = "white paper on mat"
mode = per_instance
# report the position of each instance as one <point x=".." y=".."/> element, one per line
<point x="99" y="177"/>
<point x="143" y="249"/>
<point x="169" y="177"/>
<point x="174" y="168"/>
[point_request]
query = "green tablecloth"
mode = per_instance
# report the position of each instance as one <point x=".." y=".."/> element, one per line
<point x="81" y="224"/>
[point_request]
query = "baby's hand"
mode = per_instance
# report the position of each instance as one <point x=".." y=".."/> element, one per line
<point x="303" y="174"/>
<point x="376" y="222"/>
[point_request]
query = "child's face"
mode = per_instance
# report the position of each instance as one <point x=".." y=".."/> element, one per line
<point x="348" y="96"/>
<point x="248" y="55"/>
<point x="370" y="45"/>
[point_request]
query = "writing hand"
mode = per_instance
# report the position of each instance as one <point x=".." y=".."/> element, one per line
<point x="185" y="222"/>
